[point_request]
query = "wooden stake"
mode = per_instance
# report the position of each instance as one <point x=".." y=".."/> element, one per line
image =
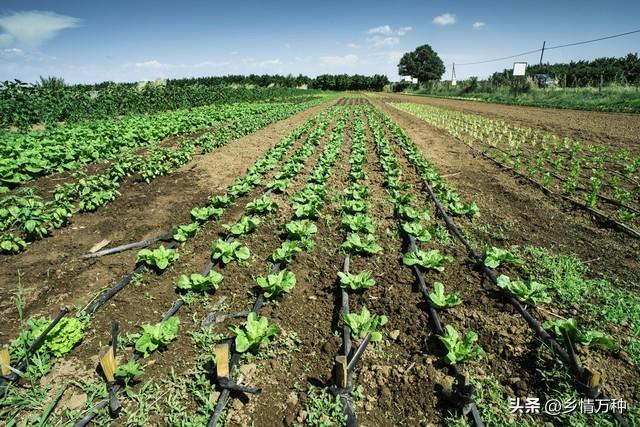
<point x="591" y="378"/>
<point x="222" y="360"/>
<point x="341" y="374"/>
<point x="5" y="360"/>
<point x="108" y="363"/>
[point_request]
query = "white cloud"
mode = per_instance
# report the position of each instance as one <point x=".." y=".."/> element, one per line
<point x="31" y="29"/>
<point x="353" y="45"/>
<point x="383" y="42"/>
<point x="445" y="19"/>
<point x="339" y="61"/>
<point x="384" y="36"/>
<point x="12" y="52"/>
<point x="478" y="25"/>
<point x="390" y="57"/>
<point x="155" y="64"/>
<point x="267" y="62"/>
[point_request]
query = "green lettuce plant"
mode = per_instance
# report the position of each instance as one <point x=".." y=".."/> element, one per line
<point x="429" y="260"/>
<point x="155" y="336"/>
<point x="442" y="301"/>
<point x="363" y="323"/>
<point x="276" y="284"/>
<point x="460" y="349"/>
<point x="198" y="283"/>
<point x="160" y="258"/>
<point x="356" y="282"/>
<point x="226" y="252"/>
<point x="256" y="332"/>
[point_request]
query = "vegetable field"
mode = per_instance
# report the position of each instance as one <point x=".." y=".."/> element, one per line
<point x="315" y="260"/>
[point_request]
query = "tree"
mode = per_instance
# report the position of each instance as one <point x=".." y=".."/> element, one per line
<point x="423" y="64"/>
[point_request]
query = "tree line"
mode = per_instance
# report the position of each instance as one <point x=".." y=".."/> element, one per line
<point x="606" y="70"/>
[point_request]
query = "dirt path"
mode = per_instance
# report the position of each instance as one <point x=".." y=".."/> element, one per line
<point x="52" y="273"/>
<point x="619" y="130"/>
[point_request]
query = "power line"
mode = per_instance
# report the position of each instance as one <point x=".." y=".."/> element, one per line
<point x="549" y="48"/>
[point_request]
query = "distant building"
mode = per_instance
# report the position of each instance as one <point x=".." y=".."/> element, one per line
<point x="409" y="79"/>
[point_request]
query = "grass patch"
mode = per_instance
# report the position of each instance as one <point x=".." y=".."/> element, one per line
<point x="601" y="303"/>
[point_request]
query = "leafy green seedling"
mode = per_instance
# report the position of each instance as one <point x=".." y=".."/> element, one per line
<point x="429" y="260"/>
<point x="358" y="223"/>
<point x="442" y="301"/>
<point x="355" y="206"/>
<point x="154" y="336"/>
<point x="276" y="284"/>
<point x="417" y="230"/>
<point x="226" y="252"/>
<point x="159" y="258"/>
<point x="261" y="206"/>
<point x="363" y="323"/>
<point x="183" y="232"/>
<point x="245" y="225"/>
<point x="354" y="244"/>
<point x="459" y="350"/>
<point x="10" y="243"/>
<point x="529" y="291"/>
<point x="129" y="371"/>
<point x="64" y="336"/>
<point x="285" y="253"/>
<point x="198" y="283"/>
<point x="494" y="257"/>
<point x="356" y="282"/>
<point x="206" y="213"/>
<point x="220" y="201"/>
<point x="588" y="338"/>
<point x="256" y="332"/>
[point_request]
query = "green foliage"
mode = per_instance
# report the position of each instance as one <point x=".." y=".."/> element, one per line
<point x="417" y="230"/>
<point x="129" y="371"/>
<point x="276" y="284"/>
<point x="198" y="283"/>
<point x="64" y="336"/>
<point x="227" y="252"/>
<point x="442" y="301"/>
<point x="261" y="206"/>
<point x="155" y="336"/>
<point x="256" y="332"/>
<point x="459" y="350"/>
<point x="206" y="213"/>
<point x="355" y="206"/>
<point x="183" y="232"/>
<point x="220" y="201"/>
<point x="245" y="225"/>
<point x="354" y="244"/>
<point x="285" y="253"/>
<point x="356" y="282"/>
<point x="429" y="260"/>
<point x="358" y="223"/>
<point x="588" y="338"/>
<point x="530" y="291"/>
<point x="494" y="257"/>
<point x="159" y="258"/>
<point x="12" y="244"/>
<point x="95" y="191"/>
<point x="423" y="63"/>
<point x="301" y="231"/>
<point x="363" y="323"/>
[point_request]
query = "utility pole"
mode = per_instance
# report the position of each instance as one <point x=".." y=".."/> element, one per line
<point x="542" y="53"/>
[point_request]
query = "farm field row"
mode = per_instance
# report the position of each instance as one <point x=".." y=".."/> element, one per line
<point x="347" y="236"/>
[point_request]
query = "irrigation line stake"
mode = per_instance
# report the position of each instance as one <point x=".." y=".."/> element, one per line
<point x="531" y="321"/>
<point x="122" y="248"/>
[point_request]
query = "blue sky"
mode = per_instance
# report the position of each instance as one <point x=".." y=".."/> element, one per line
<point x="86" y="41"/>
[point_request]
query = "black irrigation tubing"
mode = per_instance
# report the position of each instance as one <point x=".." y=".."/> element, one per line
<point x="106" y="296"/>
<point x="602" y="216"/>
<point x="22" y="364"/>
<point x="592" y="392"/>
<point x="135" y="245"/>
<point x="463" y="394"/>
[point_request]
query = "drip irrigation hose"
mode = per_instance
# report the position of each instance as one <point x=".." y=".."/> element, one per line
<point x="135" y="245"/>
<point x="531" y="321"/>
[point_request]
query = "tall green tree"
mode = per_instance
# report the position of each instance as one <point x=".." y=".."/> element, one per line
<point x="423" y="63"/>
